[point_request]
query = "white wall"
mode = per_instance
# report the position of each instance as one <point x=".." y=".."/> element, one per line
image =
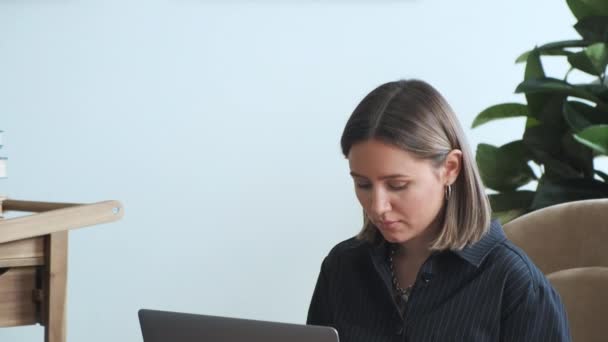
<point x="217" y="124"/>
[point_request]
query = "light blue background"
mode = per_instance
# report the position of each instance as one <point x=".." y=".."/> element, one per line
<point x="217" y="124"/>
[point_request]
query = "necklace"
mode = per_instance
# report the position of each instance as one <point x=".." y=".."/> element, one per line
<point x="404" y="293"/>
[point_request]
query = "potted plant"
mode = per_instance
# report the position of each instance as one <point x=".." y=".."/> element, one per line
<point x="566" y="124"/>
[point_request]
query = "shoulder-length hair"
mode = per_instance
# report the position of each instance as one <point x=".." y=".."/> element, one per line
<point x="414" y="116"/>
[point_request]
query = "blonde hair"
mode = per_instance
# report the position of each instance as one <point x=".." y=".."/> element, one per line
<point x="414" y="116"/>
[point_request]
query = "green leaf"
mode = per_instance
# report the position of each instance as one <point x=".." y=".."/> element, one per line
<point x="546" y="52"/>
<point x="598" y="55"/>
<point x="553" y="85"/>
<point x="523" y="57"/>
<point x="597" y="89"/>
<point x="544" y="85"/>
<point x="534" y="67"/>
<point x="588" y="8"/>
<point x="504" y="168"/>
<point x="549" y="114"/>
<point x="534" y="70"/>
<point x="545" y="144"/>
<point x="592" y="60"/>
<point x="564" y="44"/>
<point x="579" y="115"/>
<point x="501" y="111"/>
<point x="531" y="122"/>
<point x="517" y="151"/>
<point x="551" y="192"/>
<point x="595" y="137"/>
<point x="579" y="156"/>
<point x="602" y="175"/>
<point x="510" y="200"/>
<point x="508" y="205"/>
<point x="556" y="168"/>
<point x="581" y="61"/>
<point x="554" y="49"/>
<point x="575" y="119"/>
<point x="593" y="28"/>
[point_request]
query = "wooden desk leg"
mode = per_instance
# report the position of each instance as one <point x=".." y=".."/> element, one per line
<point x="56" y="287"/>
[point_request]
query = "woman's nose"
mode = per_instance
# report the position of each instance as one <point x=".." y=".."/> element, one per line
<point x="380" y="203"/>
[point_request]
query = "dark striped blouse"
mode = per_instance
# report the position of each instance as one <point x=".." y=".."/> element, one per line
<point x="489" y="291"/>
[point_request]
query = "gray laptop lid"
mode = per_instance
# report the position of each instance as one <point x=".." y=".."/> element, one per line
<point x="164" y="326"/>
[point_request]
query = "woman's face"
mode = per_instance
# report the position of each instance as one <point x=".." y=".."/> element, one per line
<point x="401" y="194"/>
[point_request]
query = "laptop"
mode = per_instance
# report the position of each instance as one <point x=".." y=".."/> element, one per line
<point x="165" y="326"/>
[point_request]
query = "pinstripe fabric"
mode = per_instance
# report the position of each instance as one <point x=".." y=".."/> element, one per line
<point x="489" y="291"/>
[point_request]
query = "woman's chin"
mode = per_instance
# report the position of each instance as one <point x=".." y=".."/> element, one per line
<point x="394" y="237"/>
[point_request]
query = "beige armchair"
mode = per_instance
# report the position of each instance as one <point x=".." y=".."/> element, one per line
<point x="584" y="292"/>
<point x="569" y="243"/>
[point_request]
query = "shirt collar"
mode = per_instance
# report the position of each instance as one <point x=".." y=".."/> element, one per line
<point x="476" y="253"/>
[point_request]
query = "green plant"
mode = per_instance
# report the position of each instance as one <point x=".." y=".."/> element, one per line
<point x="566" y="124"/>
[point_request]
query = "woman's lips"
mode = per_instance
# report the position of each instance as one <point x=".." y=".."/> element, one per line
<point x="389" y="224"/>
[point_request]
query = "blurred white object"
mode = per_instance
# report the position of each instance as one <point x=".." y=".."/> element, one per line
<point x="2" y="160"/>
<point x="2" y="167"/>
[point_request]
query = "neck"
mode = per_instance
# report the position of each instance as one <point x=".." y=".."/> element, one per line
<point x="419" y="247"/>
<point x="414" y="250"/>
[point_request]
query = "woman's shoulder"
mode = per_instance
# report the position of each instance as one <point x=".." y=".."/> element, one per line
<point x="523" y="283"/>
<point x="347" y="259"/>
<point x="516" y="266"/>
<point x="349" y="247"/>
<point x="348" y="252"/>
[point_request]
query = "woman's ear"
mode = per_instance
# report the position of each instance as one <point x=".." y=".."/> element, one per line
<point x="452" y="166"/>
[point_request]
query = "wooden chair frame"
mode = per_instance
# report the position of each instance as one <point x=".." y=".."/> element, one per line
<point x="33" y="260"/>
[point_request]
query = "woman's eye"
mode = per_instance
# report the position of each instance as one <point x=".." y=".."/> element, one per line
<point x="397" y="186"/>
<point x="363" y="185"/>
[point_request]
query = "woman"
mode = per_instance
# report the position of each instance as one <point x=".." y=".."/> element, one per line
<point x="428" y="264"/>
